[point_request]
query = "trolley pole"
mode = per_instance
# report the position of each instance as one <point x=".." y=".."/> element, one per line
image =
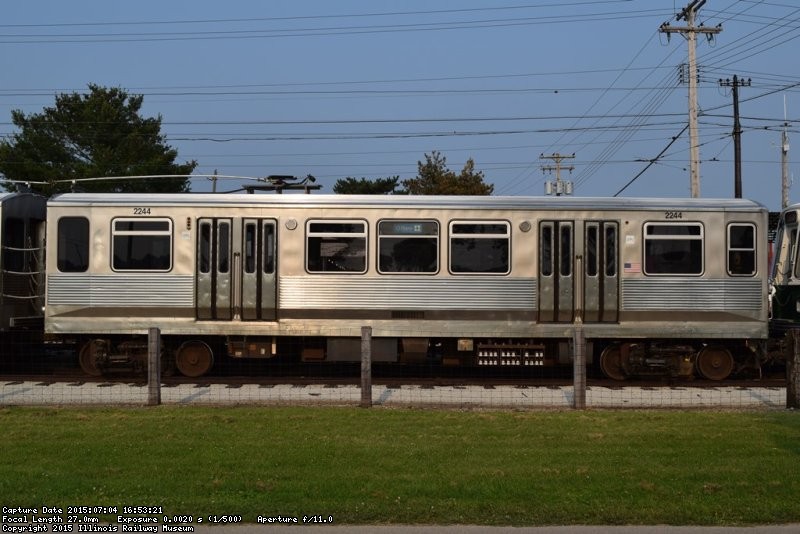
<point x="366" y="366"/>
<point x="153" y="367"/>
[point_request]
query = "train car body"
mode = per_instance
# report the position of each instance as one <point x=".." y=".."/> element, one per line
<point x="22" y="231"/>
<point x="785" y="274"/>
<point x="661" y="286"/>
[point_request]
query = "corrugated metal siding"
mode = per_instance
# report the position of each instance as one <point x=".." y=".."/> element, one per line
<point x="126" y="290"/>
<point x="697" y="294"/>
<point x="409" y="293"/>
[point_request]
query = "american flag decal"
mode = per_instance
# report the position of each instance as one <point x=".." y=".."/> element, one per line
<point x="632" y="267"/>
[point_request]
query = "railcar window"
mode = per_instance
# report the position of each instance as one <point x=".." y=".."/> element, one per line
<point x="333" y="246"/>
<point x="791" y="259"/>
<point x="566" y="250"/>
<point x="480" y="247"/>
<point x="741" y="250"/>
<point x="673" y="248"/>
<point x="269" y="248"/>
<point x="611" y="249"/>
<point x="73" y="245"/>
<point x="223" y="246"/>
<point x="546" y="250"/>
<point x="204" y="250"/>
<point x="141" y="244"/>
<point x="142" y="225"/>
<point x="252" y="250"/>
<point x="591" y="250"/>
<point x="408" y="246"/>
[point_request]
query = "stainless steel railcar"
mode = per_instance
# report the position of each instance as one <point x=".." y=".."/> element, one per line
<point x="666" y="286"/>
<point x="786" y="274"/>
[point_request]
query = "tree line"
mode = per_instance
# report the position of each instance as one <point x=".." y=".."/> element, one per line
<point x="102" y="134"/>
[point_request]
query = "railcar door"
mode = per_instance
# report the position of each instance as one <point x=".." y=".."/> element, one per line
<point x="258" y="270"/>
<point x="601" y="274"/>
<point x="556" y="271"/>
<point x="236" y="269"/>
<point x="213" y="270"/>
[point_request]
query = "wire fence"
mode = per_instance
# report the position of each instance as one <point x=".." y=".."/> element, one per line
<point x="35" y="373"/>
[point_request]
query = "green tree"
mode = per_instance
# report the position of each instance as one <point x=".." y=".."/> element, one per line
<point x="363" y="186"/>
<point x="434" y="178"/>
<point x="96" y="134"/>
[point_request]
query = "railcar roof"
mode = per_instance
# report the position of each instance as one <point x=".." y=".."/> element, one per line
<point x="10" y="194"/>
<point x="385" y="201"/>
<point x="791" y="207"/>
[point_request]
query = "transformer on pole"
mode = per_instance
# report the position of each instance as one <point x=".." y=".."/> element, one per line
<point x="558" y="187"/>
<point x="690" y="31"/>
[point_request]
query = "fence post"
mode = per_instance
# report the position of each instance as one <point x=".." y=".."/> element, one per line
<point x="793" y="370"/>
<point x="153" y="367"/>
<point x="366" y="366"/>
<point x="579" y="368"/>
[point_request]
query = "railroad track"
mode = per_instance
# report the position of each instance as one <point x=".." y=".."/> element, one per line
<point x="64" y="368"/>
<point x="76" y="376"/>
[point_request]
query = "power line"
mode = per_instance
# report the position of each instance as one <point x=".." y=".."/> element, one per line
<point x="315" y="83"/>
<point x="312" y="17"/>
<point x="417" y="120"/>
<point x="312" y="32"/>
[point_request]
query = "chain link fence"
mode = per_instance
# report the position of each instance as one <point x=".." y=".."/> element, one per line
<point x="36" y="373"/>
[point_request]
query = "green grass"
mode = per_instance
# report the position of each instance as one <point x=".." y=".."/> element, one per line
<point x="410" y="466"/>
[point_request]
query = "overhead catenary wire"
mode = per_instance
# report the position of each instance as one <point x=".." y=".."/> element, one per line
<point x="651" y="162"/>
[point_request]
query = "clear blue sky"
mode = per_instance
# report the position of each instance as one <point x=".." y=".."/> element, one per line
<point x="364" y="88"/>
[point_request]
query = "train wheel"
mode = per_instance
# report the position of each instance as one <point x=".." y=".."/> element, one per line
<point x="715" y="363"/>
<point x="611" y="363"/>
<point x="87" y="358"/>
<point x="194" y="358"/>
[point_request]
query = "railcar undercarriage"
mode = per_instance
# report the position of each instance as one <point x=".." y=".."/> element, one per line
<point x="622" y="360"/>
<point x="195" y="357"/>
<point x="104" y="356"/>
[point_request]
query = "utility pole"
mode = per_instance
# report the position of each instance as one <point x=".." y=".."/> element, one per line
<point x="737" y="133"/>
<point x="561" y="188"/>
<point x="784" y="161"/>
<point x="690" y="31"/>
<point x="214" y="181"/>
